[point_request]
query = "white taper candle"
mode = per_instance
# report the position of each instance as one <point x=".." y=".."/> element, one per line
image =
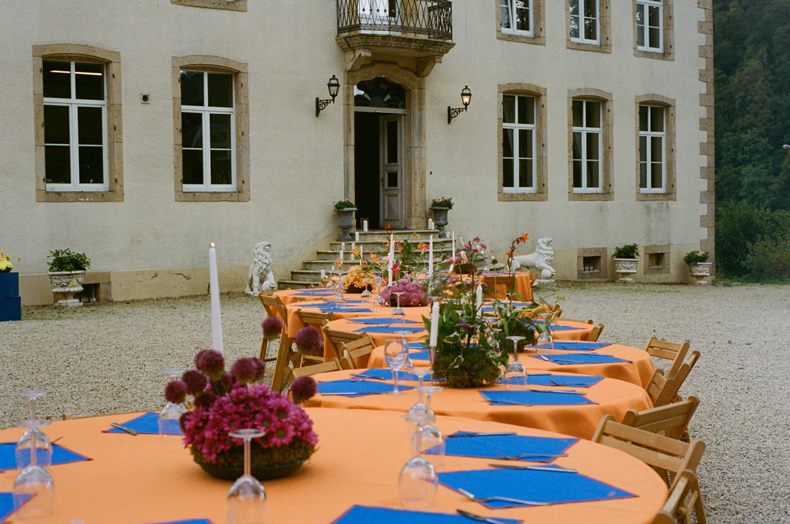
<point x="216" y="318"/>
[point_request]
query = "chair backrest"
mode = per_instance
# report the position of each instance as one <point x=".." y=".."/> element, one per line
<point x="324" y="367"/>
<point x="684" y="494"/>
<point x="282" y="369"/>
<point x="595" y="332"/>
<point x="316" y="319"/>
<point x="660" y="389"/>
<point x="666" y="455"/>
<point x="670" y="420"/>
<point x="671" y="351"/>
<point x="357" y="352"/>
<point x="337" y="338"/>
<point x="274" y="306"/>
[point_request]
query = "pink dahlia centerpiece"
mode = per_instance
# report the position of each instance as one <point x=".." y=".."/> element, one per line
<point x="226" y="401"/>
<point x="414" y="293"/>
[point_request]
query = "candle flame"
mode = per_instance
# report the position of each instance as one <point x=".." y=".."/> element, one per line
<point x="211" y="244"/>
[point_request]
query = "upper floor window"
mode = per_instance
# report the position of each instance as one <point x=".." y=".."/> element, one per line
<point x="652" y="158"/>
<point x="584" y="21"/>
<point x="587" y="146"/>
<point x="75" y="126"/>
<point x="518" y="144"/>
<point x="649" y="25"/>
<point x="516" y="16"/>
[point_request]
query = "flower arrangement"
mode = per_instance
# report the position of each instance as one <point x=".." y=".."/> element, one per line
<point x="344" y="204"/>
<point x="626" y="251"/>
<point x="513" y="245"/>
<point x="414" y="293"/>
<point x="471" y="252"/>
<point x="442" y="202"/>
<point x="65" y="260"/>
<point x="696" y="257"/>
<point x="225" y="401"/>
<point x="359" y="278"/>
<point x="5" y="262"/>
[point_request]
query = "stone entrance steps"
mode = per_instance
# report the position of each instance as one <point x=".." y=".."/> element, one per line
<point x="371" y="242"/>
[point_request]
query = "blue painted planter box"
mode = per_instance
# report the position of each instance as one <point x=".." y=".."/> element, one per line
<point x="10" y="303"/>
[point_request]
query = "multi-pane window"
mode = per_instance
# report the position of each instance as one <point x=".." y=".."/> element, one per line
<point x="651" y="149"/>
<point x="518" y="144"/>
<point x="207" y="131"/>
<point x="649" y="22"/>
<point x="587" y="146"/>
<point x="75" y="126"/>
<point x="584" y="21"/>
<point x="516" y="16"/>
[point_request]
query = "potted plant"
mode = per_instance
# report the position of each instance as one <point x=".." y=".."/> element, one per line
<point x="10" y="303"/>
<point x="67" y="274"/>
<point x="698" y="264"/>
<point x="626" y="260"/>
<point x="440" y="207"/>
<point x="345" y="218"/>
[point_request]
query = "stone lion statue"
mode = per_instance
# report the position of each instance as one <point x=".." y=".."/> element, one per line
<point x="260" y="277"/>
<point x="541" y="259"/>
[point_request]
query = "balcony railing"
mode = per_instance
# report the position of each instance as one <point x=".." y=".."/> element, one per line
<point x="432" y="18"/>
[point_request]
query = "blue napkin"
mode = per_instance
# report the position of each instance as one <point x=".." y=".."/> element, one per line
<point x="386" y="374"/>
<point x="495" y="446"/>
<point x="534" y="398"/>
<point x="345" y="310"/>
<point x="417" y="345"/>
<point x="147" y="424"/>
<point x="547" y="379"/>
<point x="386" y="321"/>
<point x="6" y="505"/>
<point x="367" y="514"/>
<point x="577" y="358"/>
<point x="526" y="484"/>
<point x="191" y="521"/>
<point x="60" y="455"/>
<point x="357" y="388"/>
<point x="575" y="345"/>
<point x="420" y="355"/>
<point x="389" y="329"/>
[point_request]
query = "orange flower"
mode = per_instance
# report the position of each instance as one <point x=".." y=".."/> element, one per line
<point x="524" y="237"/>
<point x="387" y="227"/>
<point x="509" y="253"/>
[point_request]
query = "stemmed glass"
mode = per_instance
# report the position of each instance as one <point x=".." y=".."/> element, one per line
<point x="398" y="311"/>
<point x="170" y="415"/>
<point x="395" y="353"/>
<point x="246" y="498"/>
<point x="33" y="437"/>
<point x="379" y="299"/>
<point x="34" y="490"/>
<point x="515" y="369"/>
<point x="418" y="483"/>
<point x="545" y="337"/>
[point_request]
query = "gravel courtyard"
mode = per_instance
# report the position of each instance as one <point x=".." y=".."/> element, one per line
<point x="107" y="358"/>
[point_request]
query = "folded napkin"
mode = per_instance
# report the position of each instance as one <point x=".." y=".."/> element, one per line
<point x="420" y="355"/>
<point x="575" y="345"/>
<point x="357" y="388"/>
<point x="6" y="505"/>
<point x="500" y="446"/>
<point x="526" y="484"/>
<point x="345" y="310"/>
<point x="534" y="398"/>
<point x="191" y="521"/>
<point x="366" y="515"/>
<point x="580" y="358"/>
<point x="554" y="328"/>
<point x="60" y="455"/>
<point x="386" y="374"/>
<point x="147" y="424"/>
<point x="386" y="321"/>
<point x="389" y="329"/>
<point x="547" y="379"/>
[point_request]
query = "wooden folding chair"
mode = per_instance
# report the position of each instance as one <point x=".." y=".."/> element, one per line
<point x="684" y="495"/>
<point x="337" y="338"/>
<point x="274" y="306"/>
<point x="671" y="351"/>
<point x="588" y="321"/>
<point x="660" y="389"/>
<point x="670" y="420"/>
<point x="357" y="352"/>
<point x="316" y="320"/>
<point x="595" y="332"/>
<point x="323" y="367"/>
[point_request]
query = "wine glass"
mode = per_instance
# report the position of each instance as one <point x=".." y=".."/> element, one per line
<point x="396" y="354"/>
<point x="515" y="369"/>
<point x="27" y="442"/>
<point x="170" y="416"/>
<point x="545" y="339"/>
<point x="366" y="294"/>
<point x="34" y="490"/>
<point x="379" y="299"/>
<point x="398" y="311"/>
<point x="246" y="498"/>
<point x="418" y="483"/>
<point x="431" y="438"/>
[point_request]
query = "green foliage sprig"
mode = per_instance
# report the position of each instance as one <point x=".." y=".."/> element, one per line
<point x="626" y="251"/>
<point x="442" y="202"/>
<point x="65" y="260"/>
<point x="696" y="257"/>
<point x="344" y="204"/>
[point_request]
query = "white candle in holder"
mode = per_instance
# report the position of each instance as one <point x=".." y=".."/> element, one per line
<point x="216" y="319"/>
<point x="434" y="325"/>
<point x="430" y="223"/>
<point x="365" y="226"/>
<point x="356" y="236"/>
<point x="430" y="257"/>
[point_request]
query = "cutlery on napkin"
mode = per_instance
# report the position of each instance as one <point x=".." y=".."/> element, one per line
<point x="479" y="518"/>
<point x="124" y="428"/>
<point x="554" y="469"/>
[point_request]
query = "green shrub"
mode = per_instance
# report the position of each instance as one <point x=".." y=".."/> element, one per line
<point x="769" y="259"/>
<point x="739" y="227"/>
<point x="626" y="251"/>
<point x="65" y="260"/>
<point x="696" y="257"/>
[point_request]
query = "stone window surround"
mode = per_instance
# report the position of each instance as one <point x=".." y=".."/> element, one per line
<point x="538" y="21"/>
<point x="604" y="44"/>
<point x="112" y="64"/>
<point x="607" y="184"/>
<point x="241" y="102"/>
<point x="668" y="29"/>
<point x="541" y="158"/>
<point x="227" y="5"/>
<point x="656" y="270"/>
<point x="670" y="163"/>
<point x="601" y="274"/>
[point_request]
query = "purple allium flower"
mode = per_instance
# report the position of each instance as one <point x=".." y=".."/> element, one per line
<point x="176" y="392"/>
<point x="260" y="369"/>
<point x="210" y="362"/>
<point x="206" y="399"/>
<point x="227" y="379"/>
<point x="272" y="327"/>
<point x="244" y="370"/>
<point x="303" y="389"/>
<point x="195" y="382"/>
<point x="309" y="340"/>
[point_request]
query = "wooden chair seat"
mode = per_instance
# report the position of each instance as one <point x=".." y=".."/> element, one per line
<point x="670" y="420"/>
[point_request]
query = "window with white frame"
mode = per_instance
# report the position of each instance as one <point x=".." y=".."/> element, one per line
<point x="518" y="144"/>
<point x="208" y="124"/>
<point x="649" y="25"/>
<point x="584" y="21"/>
<point x="75" y="126"/>
<point x="587" y="146"/>
<point x="652" y="138"/>
<point x="516" y="16"/>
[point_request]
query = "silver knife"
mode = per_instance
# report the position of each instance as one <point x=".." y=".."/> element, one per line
<point x="534" y="468"/>
<point x="480" y="518"/>
<point x="458" y="435"/>
<point x="124" y="428"/>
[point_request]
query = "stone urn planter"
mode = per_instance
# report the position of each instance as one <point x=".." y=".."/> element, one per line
<point x="625" y="267"/>
<point x="345" y="220"/>
<point x="67" y="283"/>
<point x="700" y="271"/>
<point x="440" y="219"/>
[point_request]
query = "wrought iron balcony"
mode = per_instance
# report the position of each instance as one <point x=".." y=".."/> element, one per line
<point x="410" y="18"/>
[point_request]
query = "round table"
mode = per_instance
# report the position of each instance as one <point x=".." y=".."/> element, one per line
<point x="610" y="397"/>
<point x="289" y="296"/>
<point x="149" y="479"/>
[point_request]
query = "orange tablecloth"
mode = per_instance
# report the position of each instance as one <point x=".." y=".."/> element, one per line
<point x="638" y="371"/>
<point x="330" y="351"/>
<point x="295" y="324"/>
<point x="498" y="284"/>
<point x="289" y="296"/>
<point x="612" y="397"/>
